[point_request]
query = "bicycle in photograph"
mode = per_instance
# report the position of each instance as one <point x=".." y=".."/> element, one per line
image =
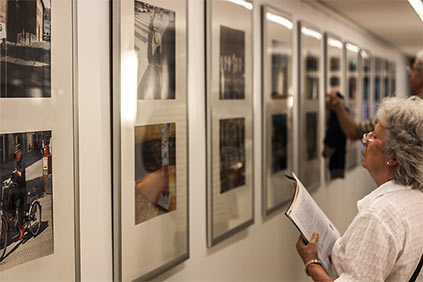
<point x="31" y="217"/>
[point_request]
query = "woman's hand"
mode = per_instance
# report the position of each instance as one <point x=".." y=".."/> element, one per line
<point x="308" y="251"/>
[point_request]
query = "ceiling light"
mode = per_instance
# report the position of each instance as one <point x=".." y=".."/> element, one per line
<point x="312" y="33"/>
<point x="242" y="3"/>
<point x="279" y="20"/>
<point x="418" y="7"/>
<point x="335" y="43"/>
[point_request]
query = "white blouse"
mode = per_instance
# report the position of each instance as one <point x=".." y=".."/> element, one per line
<point x="384" y="242"/>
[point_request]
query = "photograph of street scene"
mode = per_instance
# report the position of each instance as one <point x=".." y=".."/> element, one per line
<point x="279" y="151"/>
<point x="155" y="170"/>
<point x="232" y="61"/>
<point x="26" y="229"/>
<point x="155" y="46"/>
<point x="232" y="153"/>
<point x="25" y="57"/>
<point x="279" y="70"/>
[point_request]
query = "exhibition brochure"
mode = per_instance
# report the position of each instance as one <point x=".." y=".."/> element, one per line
<point x="309" y="218"/>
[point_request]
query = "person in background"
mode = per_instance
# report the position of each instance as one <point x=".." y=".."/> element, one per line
<point x="384" y="242"/>
<point x="19" y="189"/>
<point x="355" y="130"/>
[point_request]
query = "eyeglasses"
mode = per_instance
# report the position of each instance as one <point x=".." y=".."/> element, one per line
<point x="369" y="137"/>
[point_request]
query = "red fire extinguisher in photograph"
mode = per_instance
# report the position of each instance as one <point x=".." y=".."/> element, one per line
<point x="45" y="165"/>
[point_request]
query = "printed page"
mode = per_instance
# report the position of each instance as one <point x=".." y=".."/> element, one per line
<point x="309" y="218"/>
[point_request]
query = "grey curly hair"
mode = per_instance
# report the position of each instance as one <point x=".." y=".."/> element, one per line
<point x="404" y="143"/>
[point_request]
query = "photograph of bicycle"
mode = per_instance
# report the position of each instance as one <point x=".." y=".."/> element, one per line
<point x="26" y="229"/>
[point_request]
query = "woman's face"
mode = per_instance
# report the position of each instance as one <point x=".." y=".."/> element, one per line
<point x="374" y="157"/>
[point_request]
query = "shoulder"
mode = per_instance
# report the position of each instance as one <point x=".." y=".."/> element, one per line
<point x="395" y="209"/>
<point x="397" y="201"/>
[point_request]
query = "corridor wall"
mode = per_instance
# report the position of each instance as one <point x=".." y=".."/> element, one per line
<point x="265" y="250"/>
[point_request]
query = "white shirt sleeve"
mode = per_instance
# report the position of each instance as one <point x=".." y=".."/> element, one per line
<point x="368" y="250"/>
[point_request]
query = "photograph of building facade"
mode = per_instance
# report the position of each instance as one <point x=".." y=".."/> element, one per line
<point x="25" y="48"/>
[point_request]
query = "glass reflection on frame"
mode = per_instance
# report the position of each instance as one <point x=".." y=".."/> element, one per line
<point x="310" y="44"/>
<point x="277" y="45"/>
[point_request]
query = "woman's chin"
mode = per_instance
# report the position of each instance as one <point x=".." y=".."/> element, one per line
<point x="363" y="162"/>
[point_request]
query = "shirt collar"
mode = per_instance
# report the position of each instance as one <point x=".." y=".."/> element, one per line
<point x="386" y="187"/>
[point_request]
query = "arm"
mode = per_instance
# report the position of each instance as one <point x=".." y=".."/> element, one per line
<point x="309" y="252"/>
<point x="348" y="125"/>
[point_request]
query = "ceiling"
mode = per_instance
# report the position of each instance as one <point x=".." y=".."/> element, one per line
<point x="393" y="21"/>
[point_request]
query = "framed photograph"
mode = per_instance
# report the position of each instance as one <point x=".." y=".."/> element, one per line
<point x="25" y="57"/>
<point x="310" y="49"/>
<point x="232" y="63"/>
<point x="366" y="84"/>
<point x="277" y="107"/>
<point x="333" y="154"/>
<point x="392" y="78"/>
<point x="230" y="194"/>
<point x="353" y="98"/>
<point x="386" y="85"/>
<point x="38" y="141"/>
<point x="377" y="83"/>
<point x="150" y="137"/>
<point x="27" y="197"/>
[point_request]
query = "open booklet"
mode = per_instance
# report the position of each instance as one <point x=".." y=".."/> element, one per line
<point x="309" y="218"/>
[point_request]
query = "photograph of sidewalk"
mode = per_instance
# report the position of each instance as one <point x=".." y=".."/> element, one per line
<point x="155" y="170"/>
<point x="25" y="53"/>
<point x="155" y="46"/>
<point x="37" y="159"/>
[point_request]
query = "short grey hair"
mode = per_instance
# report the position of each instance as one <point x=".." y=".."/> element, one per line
<point x="404" y="143"/>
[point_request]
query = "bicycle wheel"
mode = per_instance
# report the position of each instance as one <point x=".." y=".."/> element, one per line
<point x="35" y="218"/>
<point x="3" y="237"/>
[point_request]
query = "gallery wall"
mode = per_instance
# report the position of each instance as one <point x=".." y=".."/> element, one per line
<point x="265" y="250"/>
<point x="93" y="67"/>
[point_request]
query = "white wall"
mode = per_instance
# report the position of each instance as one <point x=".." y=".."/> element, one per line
<point x="94" y="139"/>
<point x="264" y="251"/>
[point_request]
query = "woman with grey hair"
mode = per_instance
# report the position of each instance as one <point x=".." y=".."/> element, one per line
<point x="384" y="242"/>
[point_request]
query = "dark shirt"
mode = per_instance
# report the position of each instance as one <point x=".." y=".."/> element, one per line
<point x="20" y="180"/>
